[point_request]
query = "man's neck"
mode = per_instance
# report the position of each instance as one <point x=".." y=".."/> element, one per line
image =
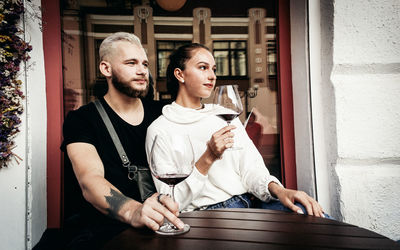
<point x="130" y="109"/>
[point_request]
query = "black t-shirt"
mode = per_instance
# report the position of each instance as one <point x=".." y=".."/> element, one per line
<point x="85" y="125"/>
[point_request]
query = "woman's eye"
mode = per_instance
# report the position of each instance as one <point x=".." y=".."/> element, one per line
<point x="202" y="67"/>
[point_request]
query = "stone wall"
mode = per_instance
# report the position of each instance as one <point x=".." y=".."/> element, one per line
<point x="366" y="82"/>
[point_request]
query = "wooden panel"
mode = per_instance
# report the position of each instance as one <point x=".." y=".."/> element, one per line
<point x="229" y="30"/>
<point x="173" y="29"/>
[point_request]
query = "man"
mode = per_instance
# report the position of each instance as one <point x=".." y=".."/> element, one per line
<point x="109" y="196"/>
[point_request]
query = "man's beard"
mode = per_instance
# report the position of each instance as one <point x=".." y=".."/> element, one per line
<point x="126" y="89"/>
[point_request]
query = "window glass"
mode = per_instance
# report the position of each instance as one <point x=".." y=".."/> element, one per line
<point x="238" y="63"/>
<point x="221" y="45"/>
<point x="164" y="50"/>
<point x="230" y="58"/>
<point x="222" y="63"/>
<point x="163" y="59"/>
<point x="238" y="45"/>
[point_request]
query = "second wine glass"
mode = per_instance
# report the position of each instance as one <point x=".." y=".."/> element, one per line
<point x="228" y="101"/>
<point x="171" y="161"/>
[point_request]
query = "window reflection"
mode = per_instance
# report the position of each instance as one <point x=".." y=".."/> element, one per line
<point x="230" y="58"/>
<point x="164" y="50"/>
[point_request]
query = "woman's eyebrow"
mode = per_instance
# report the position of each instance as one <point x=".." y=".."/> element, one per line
<point x="201" y="62"/>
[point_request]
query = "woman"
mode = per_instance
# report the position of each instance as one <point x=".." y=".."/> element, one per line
<point x="220" y="178"/>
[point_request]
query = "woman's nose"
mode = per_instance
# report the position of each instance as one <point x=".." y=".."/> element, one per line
<point x="212" y="75"/>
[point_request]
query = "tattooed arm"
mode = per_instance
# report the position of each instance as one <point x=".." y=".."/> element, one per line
<point x="105" y="197"/>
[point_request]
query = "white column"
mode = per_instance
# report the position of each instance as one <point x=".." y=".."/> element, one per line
<point x="23" y="185"/>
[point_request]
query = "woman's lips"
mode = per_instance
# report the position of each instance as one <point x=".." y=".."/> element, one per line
<point x="209" y="85"/>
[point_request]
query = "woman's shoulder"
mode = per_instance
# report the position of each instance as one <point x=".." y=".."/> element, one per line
<point x="159" y="122"/>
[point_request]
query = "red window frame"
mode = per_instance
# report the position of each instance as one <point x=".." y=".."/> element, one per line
<point x="54" y="97"/>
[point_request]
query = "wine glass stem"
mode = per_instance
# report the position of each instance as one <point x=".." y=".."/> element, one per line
<point x="171" y="190"/>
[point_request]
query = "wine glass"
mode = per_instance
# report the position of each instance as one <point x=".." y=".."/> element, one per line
<point x="171" y="161"/>
<point x="227" y="101"/>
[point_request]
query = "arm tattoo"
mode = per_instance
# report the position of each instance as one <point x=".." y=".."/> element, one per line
<point x="115" y="201"/>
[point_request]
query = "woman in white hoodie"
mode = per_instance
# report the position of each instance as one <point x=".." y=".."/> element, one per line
<point x="220" y="178"/>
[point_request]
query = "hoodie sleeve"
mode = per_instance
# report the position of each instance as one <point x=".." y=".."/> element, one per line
<point x="185" y="191"/>
<point x="253" y="172"/>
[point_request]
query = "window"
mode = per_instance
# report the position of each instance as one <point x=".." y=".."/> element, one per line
<point x="164" y="49"/>
<point x="271" y="53"/>
<point x="231" y="58"/>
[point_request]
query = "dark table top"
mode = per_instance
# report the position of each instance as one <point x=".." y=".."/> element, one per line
<point x="255" y="229"/>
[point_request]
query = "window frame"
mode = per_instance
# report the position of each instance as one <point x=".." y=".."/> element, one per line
<point x="229" y="50"/>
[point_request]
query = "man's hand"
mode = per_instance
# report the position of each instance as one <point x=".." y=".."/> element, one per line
<point x="288" y="197"/>
<point x="152" y="213"/>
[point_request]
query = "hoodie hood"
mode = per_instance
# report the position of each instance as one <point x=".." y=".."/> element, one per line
<point x="181" y="115"/>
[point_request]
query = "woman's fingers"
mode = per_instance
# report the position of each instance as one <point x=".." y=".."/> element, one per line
<point x="221" y="140"/>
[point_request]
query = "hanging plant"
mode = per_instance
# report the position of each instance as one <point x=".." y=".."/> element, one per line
<point x="13" y="51"/>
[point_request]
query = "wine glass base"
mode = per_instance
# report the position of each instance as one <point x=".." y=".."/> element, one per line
<point x="170" y="229"/>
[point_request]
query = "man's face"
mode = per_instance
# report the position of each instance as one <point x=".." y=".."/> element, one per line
<point x="129" y="65"/>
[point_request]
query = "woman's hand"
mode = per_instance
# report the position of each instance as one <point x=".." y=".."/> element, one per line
<point x="289" y="196"/>
<point x="219" y="142"/>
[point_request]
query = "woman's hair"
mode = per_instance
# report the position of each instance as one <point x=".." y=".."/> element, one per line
<point x="107" y="45"/>
<point x="178" y="59"/>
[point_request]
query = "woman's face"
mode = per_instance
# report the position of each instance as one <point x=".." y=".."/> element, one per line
<point x="199" y="74"/>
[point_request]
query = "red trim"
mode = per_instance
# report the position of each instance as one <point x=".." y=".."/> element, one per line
<point x="288" y="154"/>
<point x="54" y="97"/>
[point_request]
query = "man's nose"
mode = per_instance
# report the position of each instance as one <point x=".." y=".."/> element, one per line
<point x="141" y="70"/>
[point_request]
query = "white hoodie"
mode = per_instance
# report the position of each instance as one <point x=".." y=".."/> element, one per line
<point x="238" y="172"/>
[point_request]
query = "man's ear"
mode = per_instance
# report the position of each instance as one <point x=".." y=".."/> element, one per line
<point x="179" y="75"/>
<point x="105" y="68"/>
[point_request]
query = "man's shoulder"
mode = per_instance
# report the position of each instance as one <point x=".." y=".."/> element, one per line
<point x="83" y="114"/>
<point x="153" y="104"/>
<point x="153" y="109"/>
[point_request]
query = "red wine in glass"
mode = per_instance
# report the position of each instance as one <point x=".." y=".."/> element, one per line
<point x="172" y="179"/>
<point x="228" y="103"/>
<point x="228" y="117"/>
<point x="171" y="161"/>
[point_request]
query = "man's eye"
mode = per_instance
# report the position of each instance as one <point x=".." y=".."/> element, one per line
<point x="146" y="65"/>
<point x="202" y="67"/>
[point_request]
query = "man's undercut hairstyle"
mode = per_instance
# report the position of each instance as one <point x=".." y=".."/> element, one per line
<point x="107" y="45"/>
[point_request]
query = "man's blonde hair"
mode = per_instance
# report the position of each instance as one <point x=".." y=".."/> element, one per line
<point x="108" y="44"/>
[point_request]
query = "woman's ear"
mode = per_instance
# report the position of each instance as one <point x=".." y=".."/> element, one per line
<point x="179" y="75"/>
<point x="105" y="68"/>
